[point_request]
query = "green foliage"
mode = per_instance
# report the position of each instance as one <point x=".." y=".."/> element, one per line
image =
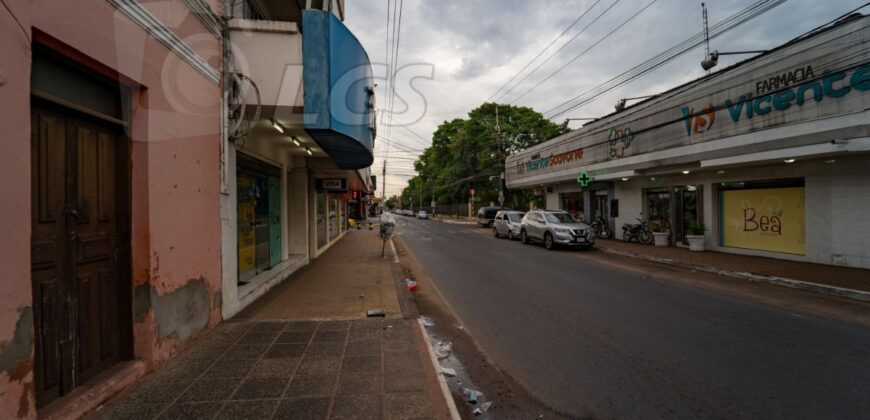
<point x="392" y="202"/>
<point x="697" y="229"/>
<point x="470" y="153"/>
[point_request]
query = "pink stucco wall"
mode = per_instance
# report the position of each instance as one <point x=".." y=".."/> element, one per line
<point x="175" y="130"/>
<point x="16" y="380"/>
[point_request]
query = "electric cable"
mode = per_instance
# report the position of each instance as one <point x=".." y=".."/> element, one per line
<point x="491" y="97"/>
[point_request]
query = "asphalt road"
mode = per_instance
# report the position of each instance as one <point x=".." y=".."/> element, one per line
<point x="594" y="340"/>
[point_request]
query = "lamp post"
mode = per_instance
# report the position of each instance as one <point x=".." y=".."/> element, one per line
<point x="620" y="105"/>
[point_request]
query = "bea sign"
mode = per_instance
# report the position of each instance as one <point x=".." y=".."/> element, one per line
<point x="766" y="219"/>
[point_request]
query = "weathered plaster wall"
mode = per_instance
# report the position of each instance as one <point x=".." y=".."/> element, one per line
<point x="17" y="397"/>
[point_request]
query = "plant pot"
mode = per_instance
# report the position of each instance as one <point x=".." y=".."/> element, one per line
<point x="661" y="238"/>
<point x="696" y="242"/>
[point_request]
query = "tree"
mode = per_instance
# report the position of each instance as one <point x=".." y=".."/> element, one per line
<point x="470" y="153"/>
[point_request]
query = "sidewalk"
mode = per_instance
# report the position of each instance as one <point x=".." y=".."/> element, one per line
<point x="772" y="270"/>
<point x="305" y="350"/>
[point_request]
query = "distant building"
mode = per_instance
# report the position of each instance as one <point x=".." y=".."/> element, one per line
<point x="770" y="155"/>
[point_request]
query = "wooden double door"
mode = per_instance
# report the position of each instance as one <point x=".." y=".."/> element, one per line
<point x="79" y="248"/>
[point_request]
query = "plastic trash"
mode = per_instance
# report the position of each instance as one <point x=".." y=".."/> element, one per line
<point x="477" y="412"/>
<point x="443" y="350"/>
<point x="485" y="406"/>
<point x="375" y="313"/>
<point x="448" y="371"/>
<point x="472" y="395"/>
<point x="412" y="285"/>
<point x="427" y="322"/>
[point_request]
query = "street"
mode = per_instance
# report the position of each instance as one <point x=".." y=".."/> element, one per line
<point x="595" y="340"/>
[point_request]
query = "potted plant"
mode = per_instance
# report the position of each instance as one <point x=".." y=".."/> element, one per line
<point x="696" y="236"/>
<point x="660" y="234"/>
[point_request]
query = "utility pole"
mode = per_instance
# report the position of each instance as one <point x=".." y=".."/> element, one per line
<point x="498" y="156"/>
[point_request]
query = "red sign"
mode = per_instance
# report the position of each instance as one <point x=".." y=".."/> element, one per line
<point x="471" y="191"/>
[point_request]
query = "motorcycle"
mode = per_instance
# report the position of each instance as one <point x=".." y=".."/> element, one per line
<point x="639" y="231"/>
<point x="599" y="226"/>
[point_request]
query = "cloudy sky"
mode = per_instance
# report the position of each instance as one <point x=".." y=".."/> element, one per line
<point x="455" y="54"/>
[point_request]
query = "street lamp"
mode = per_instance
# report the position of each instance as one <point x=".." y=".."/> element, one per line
<point x="620" y="105"/>
<point x="713" y="58"/>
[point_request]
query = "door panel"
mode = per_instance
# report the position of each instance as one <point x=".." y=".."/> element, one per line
<point x="74" y="249"/>
<point x="96" y="247"/>
<point x="48" y="251"/>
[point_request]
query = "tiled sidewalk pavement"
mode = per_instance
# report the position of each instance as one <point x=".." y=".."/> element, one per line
<point x="360" y="369"/>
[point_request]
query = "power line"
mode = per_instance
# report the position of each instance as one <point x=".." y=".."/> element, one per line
<point x="577" y="57"/>
<point x="657" y="61"/>
<point x="543" y="50"/>
<point x="560" y="48"/>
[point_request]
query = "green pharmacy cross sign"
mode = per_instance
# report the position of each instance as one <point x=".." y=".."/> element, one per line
<point x="584" y="179"/>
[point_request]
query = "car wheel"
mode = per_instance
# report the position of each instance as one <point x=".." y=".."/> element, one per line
<point x="548" y="241"/>
<point x="511" y="235"/>
<point x="524" y="238"/>
<point x="495" y="232"/>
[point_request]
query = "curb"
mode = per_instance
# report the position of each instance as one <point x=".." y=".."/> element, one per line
<point x="779" y="281"/>
<point x="455" y="222"/>
<point x="448" y="397"/>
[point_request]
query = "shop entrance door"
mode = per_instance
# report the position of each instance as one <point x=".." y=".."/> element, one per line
<point x="79" y="248"/>
<point x="599" y="205"/>
<point x="687" y="209"/>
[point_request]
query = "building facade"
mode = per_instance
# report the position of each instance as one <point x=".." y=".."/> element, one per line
<point x="299" y="145"/>
<point x="111" y="252"/>
<point x="769" y="157"/>
<point x="161" y="198"/>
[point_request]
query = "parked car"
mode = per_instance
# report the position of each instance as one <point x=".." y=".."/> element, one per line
<point x="554" y="228"/>
<point x="422" y="214"/>
<point x="507" y="224"/>
<point x="486" y="215"/>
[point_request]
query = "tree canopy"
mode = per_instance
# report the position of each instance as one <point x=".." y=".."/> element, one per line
<point x="470" y="153"/>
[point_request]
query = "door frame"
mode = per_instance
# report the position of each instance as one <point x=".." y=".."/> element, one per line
<point x="123" y="174"/>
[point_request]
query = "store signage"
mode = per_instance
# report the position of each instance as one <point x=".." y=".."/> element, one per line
<point x="783" y="80"/>
<point x="700" y="122"/>
<point x="749" y="105"/>
<point x="619" y="140"/>
<point x="769" y="219"/>
<point x="330" y="184"/>
<point x="556" y="159"/>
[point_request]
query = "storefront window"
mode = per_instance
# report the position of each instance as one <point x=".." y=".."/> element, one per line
<point x="572" y="203"/>
<point x="333" y="217"/>
<point x="658" y="209"/>
<point x="258" y="203"/>
<point x="688" y="211"/>
<point x="343" y="208"/>
<point x="321" y="219"/>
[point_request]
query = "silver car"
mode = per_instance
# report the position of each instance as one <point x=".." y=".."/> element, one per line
<point x="556" y="227"/>
<point x="507" y="224"/>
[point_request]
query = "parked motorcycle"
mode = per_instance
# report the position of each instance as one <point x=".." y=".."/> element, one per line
<point x="639" y="231"/>
<point x="601" y="229"/>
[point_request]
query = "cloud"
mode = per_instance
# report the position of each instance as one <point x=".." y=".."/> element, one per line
<point x="477" y="46"/>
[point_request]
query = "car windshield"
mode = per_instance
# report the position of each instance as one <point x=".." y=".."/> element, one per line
<point x="560" y="218"/>
<point x="515" y="217"/>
